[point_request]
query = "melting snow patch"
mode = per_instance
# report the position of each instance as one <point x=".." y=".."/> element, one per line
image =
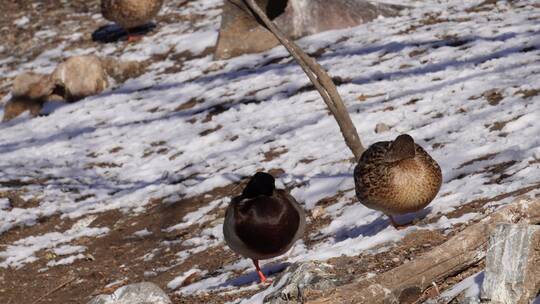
<point x="22" y="251"/>
<point x="179" y="280"/>
<point x="66" y="261"/>
<point x="142" y="233"/>
<point x="470" y="287"/>
<point x="4" y="203"/>
<point x="21" y="21"/>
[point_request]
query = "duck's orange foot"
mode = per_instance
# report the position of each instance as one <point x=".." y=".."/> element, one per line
<point x="397" y="225"/>
<point x="262" y="277"/>
<point x="134" y="38"/>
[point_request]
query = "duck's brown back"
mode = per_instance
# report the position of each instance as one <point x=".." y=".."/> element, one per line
<point x="397" y="187"/>
<point x="130" y="13"/>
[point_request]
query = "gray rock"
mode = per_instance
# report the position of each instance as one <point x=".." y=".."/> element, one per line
<point x="512" y="272"/>
<point x="139" y="293"/>
<point x="302" y="279"/>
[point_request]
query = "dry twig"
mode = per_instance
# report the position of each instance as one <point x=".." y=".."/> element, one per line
<point x="54" y="290"/>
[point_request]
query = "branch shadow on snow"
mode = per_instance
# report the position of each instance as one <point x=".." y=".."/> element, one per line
<point x="437" y="67"/>
<point x="285" y="68"/>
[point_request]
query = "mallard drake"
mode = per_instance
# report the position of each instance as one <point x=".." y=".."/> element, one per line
<point x="130" y="13"/>
<point x="396" y="177"/>
<point x="263" y="222"/>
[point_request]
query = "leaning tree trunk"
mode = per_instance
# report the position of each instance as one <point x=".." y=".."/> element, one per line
<point x="320" y="79"/>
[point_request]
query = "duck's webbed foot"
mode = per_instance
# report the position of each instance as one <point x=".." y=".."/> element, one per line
<point x="262" y="277"/>
<point x="397" y="225"/>
<point x="132" y="38"/>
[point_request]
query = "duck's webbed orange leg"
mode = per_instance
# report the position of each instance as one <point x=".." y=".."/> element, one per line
<point x="259" y="272"/>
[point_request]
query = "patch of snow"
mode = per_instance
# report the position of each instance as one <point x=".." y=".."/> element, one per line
<point x="197" y="216"/>
<point x="142" y="233"/>
<point x="4" y="203"/>
<point x="179" y="280"/>
<point x="24" y="20"/>
<point x="44" y="34"/>
<point x="470" y="287"/>
<point x="259" y="297"/>
<point x="23" y="250"/>
<point x="117" y="282"/>
<point x="68" y="249"/>
<point x="428" y="81"/>
<point x="67" y="260"/>
<point x="207" y="283"/>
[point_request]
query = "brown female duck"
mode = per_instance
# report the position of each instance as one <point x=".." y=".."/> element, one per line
<point x="263" y="222"/>
<point x="396" y="177"/>
<point x="130" y="13"/>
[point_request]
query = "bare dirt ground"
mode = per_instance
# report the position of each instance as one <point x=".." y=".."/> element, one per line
<point x="116" y="257"/>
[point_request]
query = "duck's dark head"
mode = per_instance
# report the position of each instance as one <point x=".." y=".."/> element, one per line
<point x="260" y="184"/>
<point x="402" y="147"/>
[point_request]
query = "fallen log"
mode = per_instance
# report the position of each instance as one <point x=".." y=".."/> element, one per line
<point x="406" y="283"/>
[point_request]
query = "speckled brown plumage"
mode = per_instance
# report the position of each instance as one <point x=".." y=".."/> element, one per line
<point x="397" y="178"/>
<point x="130" y="13"/>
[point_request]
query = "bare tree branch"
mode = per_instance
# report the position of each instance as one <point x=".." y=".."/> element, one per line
<point x="320" y="79"/>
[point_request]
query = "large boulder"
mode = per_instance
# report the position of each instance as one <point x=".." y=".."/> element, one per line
<point x="32" y="85"/>
<point x="240" y="33"/>
<point x="75" y="78"/>
<point x="80" y="76"/>
<point x="29" y="92"/>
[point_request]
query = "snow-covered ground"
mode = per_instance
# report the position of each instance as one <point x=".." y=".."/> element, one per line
<point x="464" y="83"/>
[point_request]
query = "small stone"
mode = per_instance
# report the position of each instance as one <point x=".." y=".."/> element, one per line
<point x="381" y="127"/>
<point x="395" y="260"/>
<point x="89" y="257"/>
<point x="139" y="293"/>
<point x="150" y="274"/>
<point x="300" y="280"/>
<point x="318" y="212"/>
